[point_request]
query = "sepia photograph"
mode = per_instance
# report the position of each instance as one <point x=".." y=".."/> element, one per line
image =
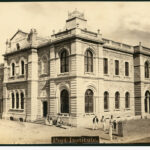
<point x="75" y="73"/>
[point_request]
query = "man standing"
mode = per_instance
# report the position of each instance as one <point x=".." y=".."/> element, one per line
<point x="104" y="123"/>
<point x="95" y="123"/>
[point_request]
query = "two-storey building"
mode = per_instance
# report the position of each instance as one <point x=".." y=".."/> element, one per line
<point x="75" y="75"/>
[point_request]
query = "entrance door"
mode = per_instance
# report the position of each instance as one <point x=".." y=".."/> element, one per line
<point x="44" y="108"/>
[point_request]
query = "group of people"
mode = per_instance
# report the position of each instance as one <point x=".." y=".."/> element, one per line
<point x="49" y="121"/>
<point x="59" y="122"/>
<point x="103" y="121"/>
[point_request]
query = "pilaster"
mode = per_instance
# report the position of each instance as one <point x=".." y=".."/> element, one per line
<point x="33" y="83"/>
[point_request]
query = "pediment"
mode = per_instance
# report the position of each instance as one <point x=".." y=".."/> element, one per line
<point x="19" y="36"/>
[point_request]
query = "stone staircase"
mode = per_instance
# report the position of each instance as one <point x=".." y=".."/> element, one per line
<point x="40" y="121"/>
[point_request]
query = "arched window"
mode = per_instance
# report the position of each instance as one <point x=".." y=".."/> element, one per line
<point x="146" y="70"/>
<point x="13" y="100"/>
<point x="117" y="100"/>
<point x="44" y="65"/>
<point x="22" y="67"/>
<point x="64" y="60"/>
<point x="13" y="69"/>
<point x="147" y="99"/>
<point x="17" y="100"/>
<point x="22" y="100"/>
<point x="89" y="101"/>
<point x="106" y="100"/>
<point x="88" y="61"/>
<point x="127" y="100"/>
<point x="64" y="101"/>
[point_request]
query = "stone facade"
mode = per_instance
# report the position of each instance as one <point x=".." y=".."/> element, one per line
<point x="39" y="79"/>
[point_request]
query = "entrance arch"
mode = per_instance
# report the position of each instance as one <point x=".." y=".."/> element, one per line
<point x="147" y="102"/>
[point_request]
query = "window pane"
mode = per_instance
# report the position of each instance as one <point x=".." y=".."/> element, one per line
<point x="89" y="101"/>
<point x="147" y="97"/>
<point x="13" y="100"/>
<point x="17" y="100"/>
<point x="105" y="66"/>
<point x="64" y="101"/>
<point x="127" y="100"/>
<point x="106" y="100"/>
<point x="13" y="69"/>
<point x="22" y="67"/>
<point x="116" y="67"/>
<point x="88" y="61"/>
<point x="22" y="101"/>
<point x="117" y="98"/>
<point x="126" y="69"/>
<point x="146" y="70"/>
<point x="64" y="61"/>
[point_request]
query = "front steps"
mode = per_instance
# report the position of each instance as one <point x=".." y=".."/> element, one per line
<point x="40" y="121"/>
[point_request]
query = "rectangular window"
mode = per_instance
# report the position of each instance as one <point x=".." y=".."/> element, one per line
<point x="105" y="66"/>
<point x="126" y="69"/>
<point x="116" y="67"/>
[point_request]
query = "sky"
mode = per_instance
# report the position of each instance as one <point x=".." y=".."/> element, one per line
<point x="127" y="22"/>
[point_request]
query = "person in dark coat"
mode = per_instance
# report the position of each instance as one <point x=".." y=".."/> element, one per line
<point x="95" y="123"/>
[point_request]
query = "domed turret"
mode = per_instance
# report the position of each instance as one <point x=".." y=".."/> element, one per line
<point x="77" y="14"/>
<point x="76" y="19"/>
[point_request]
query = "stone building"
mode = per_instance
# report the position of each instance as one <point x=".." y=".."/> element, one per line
<point x="75" y="74"/>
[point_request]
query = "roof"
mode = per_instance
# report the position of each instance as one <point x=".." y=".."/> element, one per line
<point x="18" y="32"/>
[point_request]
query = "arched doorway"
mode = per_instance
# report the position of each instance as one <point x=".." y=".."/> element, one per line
<point x="147" y="102"/>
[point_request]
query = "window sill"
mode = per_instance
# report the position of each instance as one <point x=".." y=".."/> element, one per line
<point x="89" y="114"/>
<point x="89" y="73"/>
<point x="63" y="74"/>
<point x="107" y="75"/>
<point x="12" y="77"/>
<point x="127" y="77"/>
<point x="63" y="114"/>
<point x="117" y="110"/>
<point x="127" y="109"/>
<point x="18" y="110"/>
<point x="106" y="110"/>
<point x="43" y="75"/>
<point x="117" y="76"/>
<point x="21" y="76"/>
